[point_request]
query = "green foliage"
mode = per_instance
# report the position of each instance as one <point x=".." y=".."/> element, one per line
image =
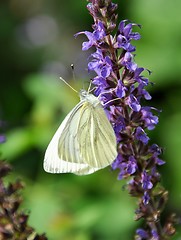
<point x="33" y="102"/>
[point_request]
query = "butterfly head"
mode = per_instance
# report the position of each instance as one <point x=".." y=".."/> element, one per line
<point x="83" y="94"/>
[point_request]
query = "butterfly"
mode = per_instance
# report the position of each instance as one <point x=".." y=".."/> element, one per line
<point x="85" y="141"/>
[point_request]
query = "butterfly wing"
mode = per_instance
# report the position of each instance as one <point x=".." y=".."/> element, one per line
<point x="63" y="152"/>
<point x="84" y="143"/>
<point x="98" y="146"/>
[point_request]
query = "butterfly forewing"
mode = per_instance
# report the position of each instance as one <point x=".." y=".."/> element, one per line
<point x="62" y="152"/>
<point x="69" y="142"/>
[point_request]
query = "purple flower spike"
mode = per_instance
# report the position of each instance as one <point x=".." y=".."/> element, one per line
<point x="121" y="87"/>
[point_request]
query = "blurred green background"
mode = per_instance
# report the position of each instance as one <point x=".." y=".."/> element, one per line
<point x="37" y="46"/>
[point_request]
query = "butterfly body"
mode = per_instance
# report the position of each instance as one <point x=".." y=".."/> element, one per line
<point x="85" y="141"/>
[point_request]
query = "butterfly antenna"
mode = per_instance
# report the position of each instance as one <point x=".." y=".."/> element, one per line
<point x="89" y="87"/>
<point x="73" y="71"/>
<point x="67" y="84"/>
<point x="94" y="88"/>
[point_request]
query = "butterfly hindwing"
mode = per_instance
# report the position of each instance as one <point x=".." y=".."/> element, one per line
<point x="98" y="147"/>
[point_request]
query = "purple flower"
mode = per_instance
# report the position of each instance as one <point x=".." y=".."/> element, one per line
<point x="131" y="165"/>
<point x="128" y="62"/>
<point x="127" y="168"/>
<point x="149" y="119"/>
<point x="156" y="151"/>
<point x="90" y="43"/>
<point x="99" y="32"/>
<point x="142" y="234"/>
<point x="120" y="89"/>
<point x="139" y="78"/>
<point x="101" y="84"/>
<point x="141" y="135"/>
<point x="133" y="103"/>
<point x="125" y="35"/>
<point x="126" y="30"/>
<point x="155" y="235"/>
<point x="142" y="92"/>
<point x="117" y="163"/>
<point x="94" y="38"/>
<point x="100" y="64"/>
<point x="146" y="181"/>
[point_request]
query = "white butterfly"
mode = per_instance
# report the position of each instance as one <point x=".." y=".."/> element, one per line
<point x="85" y="141"/>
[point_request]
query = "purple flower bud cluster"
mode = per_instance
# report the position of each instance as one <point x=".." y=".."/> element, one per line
<point x="121" y="86"/>
<point x="13" y="221"/>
